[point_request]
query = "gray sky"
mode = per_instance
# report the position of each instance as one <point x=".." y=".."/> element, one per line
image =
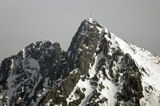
<point x="26" y="21"/>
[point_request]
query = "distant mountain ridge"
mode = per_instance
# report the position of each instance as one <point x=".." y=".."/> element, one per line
<point x="98" y="69"/>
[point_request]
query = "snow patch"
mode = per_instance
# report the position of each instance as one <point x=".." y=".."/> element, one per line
<point x="23" y="50"/>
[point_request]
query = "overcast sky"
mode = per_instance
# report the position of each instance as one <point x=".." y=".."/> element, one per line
<point x="26" y="21"/>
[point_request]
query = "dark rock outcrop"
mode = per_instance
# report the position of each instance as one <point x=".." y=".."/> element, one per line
<point x="95" y="70"/>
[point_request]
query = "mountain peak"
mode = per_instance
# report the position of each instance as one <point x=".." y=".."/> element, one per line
<point x="98" y="69"/>
<point x="91" y="20"/>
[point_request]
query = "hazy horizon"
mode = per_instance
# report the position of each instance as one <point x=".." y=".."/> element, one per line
<point x="23" y="22"/>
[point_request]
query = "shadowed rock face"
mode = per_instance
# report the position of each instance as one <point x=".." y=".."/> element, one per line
<point x="94" y="71"/>
<point x="83" y="46"/>
<point x="32" y="72"/>
<point x="79" y="57"/>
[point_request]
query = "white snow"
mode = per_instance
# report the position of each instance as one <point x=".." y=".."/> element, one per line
<point x="142" y="58"/>
<point x="91" y="20"/>
<point x="151" y="98"/>
<point x="85" y="46"/>
<point x="10" y="80"/>
<point x="88" y="91"/>
<point x="48" y="103"/>
<point x="19" y="99"/>
<point x="84" y="84"/>
<point x="106" y="30"/>
<point x="12" y="64"/>
<point x="109" y="91"/>
<point x="1" y="96"/>
<point x="92" y="70"/>
<point x="151" y="64"/>
<point x="23" y="50"/>
<point x="146" y="60"/>
<point x="100" y="29"/>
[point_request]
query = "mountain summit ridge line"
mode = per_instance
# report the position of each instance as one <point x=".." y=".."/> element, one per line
<point x="98" y="69"/>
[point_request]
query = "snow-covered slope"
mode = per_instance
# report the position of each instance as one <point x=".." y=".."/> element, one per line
<point x="149" y="65"/>
<point x="125" y="75"/>
<point x="98" y="69"/>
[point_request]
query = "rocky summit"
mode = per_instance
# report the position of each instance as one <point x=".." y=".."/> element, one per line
<point x="98" y="69"/>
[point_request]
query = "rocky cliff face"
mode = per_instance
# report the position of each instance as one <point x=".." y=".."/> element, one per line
<point x="98" y="69"/>
<point x="30" y="74"/>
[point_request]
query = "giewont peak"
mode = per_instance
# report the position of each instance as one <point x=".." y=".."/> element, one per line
<point x="90" y="21"/>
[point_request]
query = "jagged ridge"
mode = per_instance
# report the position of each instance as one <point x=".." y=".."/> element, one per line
<point x="98" y="69"/>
